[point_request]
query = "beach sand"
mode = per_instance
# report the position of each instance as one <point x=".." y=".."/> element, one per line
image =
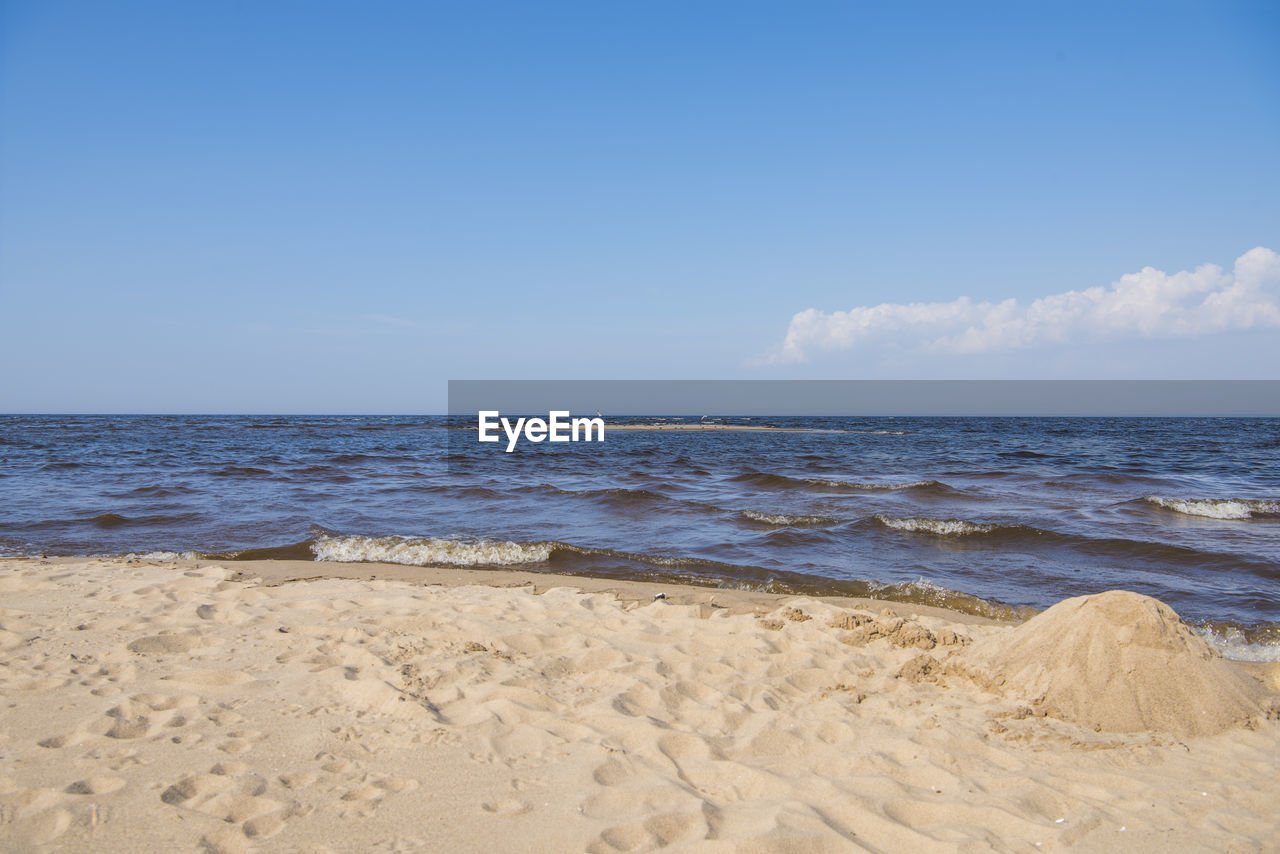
<point x="307" y="707"/>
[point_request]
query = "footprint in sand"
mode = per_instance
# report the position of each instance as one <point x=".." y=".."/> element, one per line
<point x="142" y="715"/>
<point x="333" y="765"/>
<point x="225" y="715"/>
<point x="211" y="678"/>
<point x="612" y="803"/>
<point x="166" y="702"/>
<point x="233" y="794"/>
<point x="117" y="673"/>
<point x="133" y="718"/>
<point x="378" y="789"/>
<point x="221" y="613"/>
<point x="241" y="740"/>
<point x="95" y="786"/>
<point x="299" y="780"/>
<point x="615" y="773"/>
<point x="365" y="799"/>
<point x="658" y="831"/>
<point x="71" y="739"/>
<point x="42" y="828"/>
<point x="166" y="644"/>
<point x="364" y="793"/>
<point x="508" y="806"/>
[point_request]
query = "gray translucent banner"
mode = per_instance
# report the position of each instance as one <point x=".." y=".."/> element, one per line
<point x="1114" y="398"/>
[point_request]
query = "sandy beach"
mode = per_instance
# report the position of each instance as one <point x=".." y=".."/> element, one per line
<point x="279" y="706"/>
<point x="605" y="428"/>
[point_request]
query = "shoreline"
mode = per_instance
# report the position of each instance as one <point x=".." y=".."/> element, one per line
<point x="273" y="572"/>
<point x="283" y="570"/>
<point x="169" y="705"/>
<point x="1246" y="644"/>
<point x="627" y="591"/>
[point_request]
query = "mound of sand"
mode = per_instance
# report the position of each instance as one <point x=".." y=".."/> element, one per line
<point x="1120" y="662"/>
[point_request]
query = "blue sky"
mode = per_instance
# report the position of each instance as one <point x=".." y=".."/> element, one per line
<point x="336" y="207"/>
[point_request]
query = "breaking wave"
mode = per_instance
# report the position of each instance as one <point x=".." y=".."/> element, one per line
<point x="430" y="551"/>
<point x="782" y="520"/>
<point x="940" y="527"/>
<point x="925" y="592"/>
<point x="782" y="481"/>
<point x="570" y="559"/>
<point x="1218" y="508"/>
<point x="1231" y="641"/>
<point x="629" y="499"/>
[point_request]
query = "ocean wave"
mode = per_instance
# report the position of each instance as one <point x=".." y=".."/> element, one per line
<point x="924" y="592"/>
<point x="357" y="459"/>
<point x="784" y="520"/>
<point x="570" y="559"/>
<point x="559" y="556"/>
<point x="1218" y="508"/>
<point x="1231" y="642"/>
<point x="1169" y="556"/>
<point x="615" y="492"/>
<point x="626" y="498"/>
<point x="430" y="551"/>
<point x="109" y="520"/>
<point x="877" y="487"/>
<point x="241" y="471"/>
<point x="440" y="551"/>
<point x="940" y="527"/>
<point x="154" y="492"/>
<point x="782" y="481"/>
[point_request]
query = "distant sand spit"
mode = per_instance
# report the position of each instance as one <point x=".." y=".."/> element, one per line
<point x="278" y="706"/>
<point x="720" y="428"/>
<point x="715" y="427"/>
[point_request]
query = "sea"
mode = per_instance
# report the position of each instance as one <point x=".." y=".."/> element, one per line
<point x="991" y="516"/>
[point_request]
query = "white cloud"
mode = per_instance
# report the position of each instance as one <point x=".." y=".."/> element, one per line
<point x="1147" y="304"/>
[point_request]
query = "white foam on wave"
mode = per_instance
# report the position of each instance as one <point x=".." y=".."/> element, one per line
<point x="161" y="556"/>
<point x="1231" y="643"/>
<point x="941" y="527"/>
<point x="429" y="551"/>
<point x="1218" y="508"/>
<point x="887" y="487"/>
<point x="926" y="592"/>
<point x="919" y="587"/>
<point x="782" y="519"/>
